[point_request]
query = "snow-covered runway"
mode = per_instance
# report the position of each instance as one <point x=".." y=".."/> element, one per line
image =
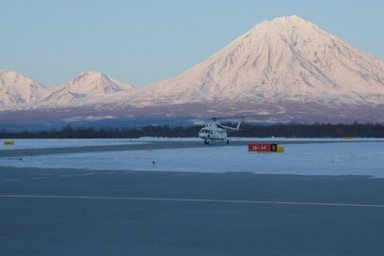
<point x="355" y="157"/>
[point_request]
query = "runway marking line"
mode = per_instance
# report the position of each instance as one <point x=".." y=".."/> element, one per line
<point x="87" y="174"/>
<point x="10" y="180"/>
<point x="64" y="176"/>
<point x="197" y="200"/>
<point x="38" y="178"/>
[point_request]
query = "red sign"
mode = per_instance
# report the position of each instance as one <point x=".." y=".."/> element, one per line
<point x="262" y="147"/>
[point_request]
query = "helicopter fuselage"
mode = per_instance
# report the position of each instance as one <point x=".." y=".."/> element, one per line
<point x="213" y="131"/>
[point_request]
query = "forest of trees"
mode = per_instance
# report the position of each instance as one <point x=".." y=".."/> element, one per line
<point x="247" y="130"/>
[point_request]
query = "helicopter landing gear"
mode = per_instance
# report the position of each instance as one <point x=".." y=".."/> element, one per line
<point x="206" y="142"/>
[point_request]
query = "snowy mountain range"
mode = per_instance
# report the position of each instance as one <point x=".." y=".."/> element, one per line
<point x="20" y="92"/>
<point x="286" y="69"/>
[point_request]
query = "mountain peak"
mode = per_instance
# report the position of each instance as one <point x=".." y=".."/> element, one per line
<point x="287" y="59"/>
<point x="85" y="78"/>
<point x="17" y="89"/>
<point x="97" y="83"/>
<point x="289" y="19"/>
<point x="87" y="87"/>
<point x="13" y="76"/>
<point x="286" y="25"/>
<point x="90" y="75"/>
<point x="284" y="20"/>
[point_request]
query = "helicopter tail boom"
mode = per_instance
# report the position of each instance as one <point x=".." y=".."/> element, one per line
<point x="237" y="128"/>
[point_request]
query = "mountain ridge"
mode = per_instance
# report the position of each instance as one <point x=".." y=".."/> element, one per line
<point x="20" y="92"/>
<point x="285" y="69"/>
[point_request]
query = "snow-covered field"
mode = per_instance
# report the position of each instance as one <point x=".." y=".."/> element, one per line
<point x="349" y="158"/>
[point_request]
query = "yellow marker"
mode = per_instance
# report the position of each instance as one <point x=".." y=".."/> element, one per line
<point x="9" y="142"/>
<point x="280" y="149"/>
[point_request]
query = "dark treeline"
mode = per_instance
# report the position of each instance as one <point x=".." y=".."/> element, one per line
<point x="69" y="132"/>
<point x="247" y="130"/>
<point x="314" y="130"/>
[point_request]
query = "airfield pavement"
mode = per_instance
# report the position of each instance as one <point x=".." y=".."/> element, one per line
<point x="154" y="145"/>
<point x="84" y="212"/>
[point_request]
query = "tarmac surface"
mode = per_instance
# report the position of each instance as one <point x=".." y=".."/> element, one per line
<point x="155" y="145"/>
<point x="84" y="212"/>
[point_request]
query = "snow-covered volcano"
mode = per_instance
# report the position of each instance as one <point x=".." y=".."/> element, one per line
<point x="17" y="90"/>
<point x="284" y="60"/>
<point x="87" y="88"/>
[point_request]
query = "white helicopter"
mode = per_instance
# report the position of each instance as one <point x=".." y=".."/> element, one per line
<point x="214" y="130"/>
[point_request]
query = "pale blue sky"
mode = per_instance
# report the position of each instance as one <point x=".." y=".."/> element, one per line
<point x="145" y="41"/>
